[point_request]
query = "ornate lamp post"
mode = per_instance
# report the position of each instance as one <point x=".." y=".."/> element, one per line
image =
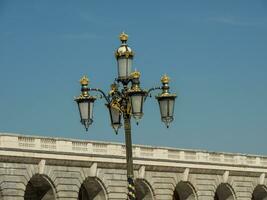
<point x="125" y="100"/>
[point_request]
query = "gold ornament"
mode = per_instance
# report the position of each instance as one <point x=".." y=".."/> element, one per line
<point x="135" y="74"/>
<point x="165" y="79"/>
<point x="123" y="37"/>
<point x="84" y="80"/>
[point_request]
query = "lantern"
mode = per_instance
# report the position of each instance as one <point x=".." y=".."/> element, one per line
<point x="115" y="116"/>
<point x="137" y="97"/>
<point x="85" y="104"/>
<point x="124" y="56"/>
<point x="166" y="102"/>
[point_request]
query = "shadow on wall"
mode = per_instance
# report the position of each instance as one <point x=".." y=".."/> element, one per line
<point x="224" y="192"/>
<point x="39" y="187"/>
<point x="260" y="193"/>
<point x="91" y="189"/>
<point x="143" y="190"/>
<point x="184" y="191"/>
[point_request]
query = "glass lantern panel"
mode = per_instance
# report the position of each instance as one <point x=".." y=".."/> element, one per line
<point x="163" y="104"/>
<point x="129" y="67"/>
<point x="171" y="107"/>
<point x="91" y="110"/>
<point x="136" y="101"/>
<point x="115" y="116"/>
<point x="124" y="67"/>
<point x="84" y="110"/>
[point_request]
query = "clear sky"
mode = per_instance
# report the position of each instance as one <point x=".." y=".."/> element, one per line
<point x="214" y="51"/>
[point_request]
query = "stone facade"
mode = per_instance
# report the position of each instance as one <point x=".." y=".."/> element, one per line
<point x="42" y="168"/>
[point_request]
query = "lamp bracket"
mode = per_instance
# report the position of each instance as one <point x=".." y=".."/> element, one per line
<point x="151" y="90"/>
<point x="102" y="93"/>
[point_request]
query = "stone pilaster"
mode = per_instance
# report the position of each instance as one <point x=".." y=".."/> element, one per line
<point x="14" y="178"/>
<point x="205" y="186"/>
<point x="115" y="181"/>
<point x="67" y="181"/>
<point x="243" y="187"/>
<point x="164" y="185"/>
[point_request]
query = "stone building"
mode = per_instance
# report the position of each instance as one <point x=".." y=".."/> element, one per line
<point x="43" y="168"/>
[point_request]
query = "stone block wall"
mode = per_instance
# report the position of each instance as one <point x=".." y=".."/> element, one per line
<point x="77" y="172"/>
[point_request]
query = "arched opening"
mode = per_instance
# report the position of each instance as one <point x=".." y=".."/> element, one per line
<point x="184" y="191"/>
<point x="39" y="188"/>
<point x="224" y="192"/>
<point x="143" y="190"/>
<point x="259" y="193"/>
<point x="91" y="189"/>
<point x="1" y="197"/>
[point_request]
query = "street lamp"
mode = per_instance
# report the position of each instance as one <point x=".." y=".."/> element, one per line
<point x="125" y="100"/>
<point x="85" y="104"/>
<point x="166" y="102"/>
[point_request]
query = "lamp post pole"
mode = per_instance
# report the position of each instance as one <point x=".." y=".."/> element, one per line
<point x="129" y="156"/>
<point x="125" y="100"/>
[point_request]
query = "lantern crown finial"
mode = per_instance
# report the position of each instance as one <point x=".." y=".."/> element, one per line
<point x="123" y="37"/>
<point x="135" y="74"/>
<point x="84" y="80"/>
<point x="165" y="79"/>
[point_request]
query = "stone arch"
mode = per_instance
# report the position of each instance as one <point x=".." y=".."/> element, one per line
<point x="259" y="193"/>
<point x="224" y="191"/>
<point x="1" y="195"/>
<point x="40" y="187"/>
<point x="143" y="190"/>
<point x="92" y="188"/>
<point x="184" y="190"/>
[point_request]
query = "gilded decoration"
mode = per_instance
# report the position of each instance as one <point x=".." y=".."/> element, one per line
<point x="84" y="80"/>
<point x="165" y="79"/>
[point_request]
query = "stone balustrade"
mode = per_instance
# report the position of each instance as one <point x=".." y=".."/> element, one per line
<point x="116" y="149"/>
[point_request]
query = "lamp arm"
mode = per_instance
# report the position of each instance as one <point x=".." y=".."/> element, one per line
<point x="152" y="89"/>
<point x="101" y="91"/>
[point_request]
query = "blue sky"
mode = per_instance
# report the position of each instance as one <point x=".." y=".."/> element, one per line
<point x="214" y="51"/>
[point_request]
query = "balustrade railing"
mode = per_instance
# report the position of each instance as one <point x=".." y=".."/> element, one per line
<point x="48" y="144"/>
